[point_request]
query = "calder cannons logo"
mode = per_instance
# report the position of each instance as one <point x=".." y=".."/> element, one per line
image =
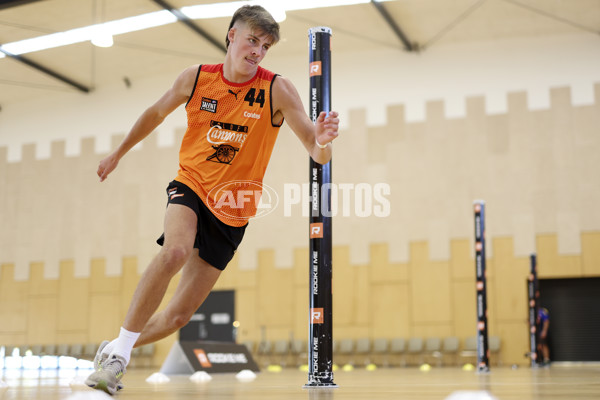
<point x="227" y="139"/>
<point x="240" y="200"/>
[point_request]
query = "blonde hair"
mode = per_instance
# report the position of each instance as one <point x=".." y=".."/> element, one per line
<point x="257" y="18"/>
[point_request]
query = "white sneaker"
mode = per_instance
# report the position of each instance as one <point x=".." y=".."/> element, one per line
<point x="108" y="376"/>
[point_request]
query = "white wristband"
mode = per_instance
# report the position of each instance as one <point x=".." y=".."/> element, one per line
<point x="321" y="146"/>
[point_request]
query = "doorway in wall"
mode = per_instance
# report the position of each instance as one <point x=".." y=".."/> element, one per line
<point x="574" y="307"/>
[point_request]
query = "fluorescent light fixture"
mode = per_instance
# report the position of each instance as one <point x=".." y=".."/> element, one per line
<point x="103" y="40"/>
<point x="219" y="10"/>
<point x="216" y="10"/>
<point x="86" y="33"/>
<point x="45" y="42"/>
<point x="308" y="4"/>
<point x="139" y="22"/>
<point x="279" y="15"/>
<point x="276" y="8"/>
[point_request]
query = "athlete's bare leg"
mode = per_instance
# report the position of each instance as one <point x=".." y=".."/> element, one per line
<point x="180" y="232"/>
<point x="197" y="280"/>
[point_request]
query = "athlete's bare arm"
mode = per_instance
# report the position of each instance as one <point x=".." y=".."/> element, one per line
<point x="153" y="116"/>
<point x="286" y="102"/>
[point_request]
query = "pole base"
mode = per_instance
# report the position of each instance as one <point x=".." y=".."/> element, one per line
<point x="483" y="369"/>
<point x="320" y="380"/>
<point x="320" y="385"/>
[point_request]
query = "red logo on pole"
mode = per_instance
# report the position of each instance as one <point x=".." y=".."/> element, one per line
<point x="316" y="315"/>
<point x="316" y="230"/>
<point x="315" y="68"/>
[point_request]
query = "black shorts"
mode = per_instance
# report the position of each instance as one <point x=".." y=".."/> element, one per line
<point x="216" y="241"/>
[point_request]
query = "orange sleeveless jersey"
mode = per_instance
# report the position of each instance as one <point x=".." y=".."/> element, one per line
<point x="228" y="142"/>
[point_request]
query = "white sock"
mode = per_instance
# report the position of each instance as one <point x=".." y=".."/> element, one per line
<point x="109" y="347"/>
<point x="124" y="344"/>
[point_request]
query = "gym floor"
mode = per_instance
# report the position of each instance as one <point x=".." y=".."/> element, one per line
<point x="501" y="383"/>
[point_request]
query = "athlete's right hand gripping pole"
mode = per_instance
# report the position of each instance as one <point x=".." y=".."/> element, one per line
<point x="320" y="338"/>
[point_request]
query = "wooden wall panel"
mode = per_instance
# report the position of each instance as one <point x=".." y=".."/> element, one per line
<point x="363" y="295"/>
<point x="73" y="301"/>
<point x="462" y="261"/>
<point x="42" y="307"/>
<point x="350" y="296"/>
<point x="246" y="311"/>
<point x="301" y="313"/>
<point x="38" y="284"/>
<point x="430" y="287"/>
<point x="510" y="290"/>
<point x="42" y="320"/>
<point x="590" y="253"/>
<point x="381" y="270"/>
<point x="440" y="330"/>
<point x="13" y="303"/>
<point x="129" y="281"/>
<point x="344" y="298"/>
<point x="514" y="342"/>
<point x="100" y="281"/>
<point x="104" y="322"/>
<point x="553" y="265"/>
<point x="463" y="304"/>
<point x="274" y="290"/>
<point x="301" y="277"/>
<point x="390" y="310"/>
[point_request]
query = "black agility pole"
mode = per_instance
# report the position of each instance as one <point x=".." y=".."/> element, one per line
<point x="483" y="359"/>
<point x="320" y="338"/>
<point x="532" y="291"/>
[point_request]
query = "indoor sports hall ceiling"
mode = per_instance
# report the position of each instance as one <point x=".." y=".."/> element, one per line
<point x="400" y="25"/>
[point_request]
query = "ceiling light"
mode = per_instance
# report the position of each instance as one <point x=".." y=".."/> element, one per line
<point x="218" y="10"/>
<point x="275" y="7"/>
<point x="46" y="42"/>
<point x="308" y="4"/>
<point x="139" y="22"/>
<point x="91" y="32"/>
<point x="278" y="15"/>
<point x="103" y="40"/>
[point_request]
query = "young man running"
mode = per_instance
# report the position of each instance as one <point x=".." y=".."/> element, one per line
<point x="234" y="112"/>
